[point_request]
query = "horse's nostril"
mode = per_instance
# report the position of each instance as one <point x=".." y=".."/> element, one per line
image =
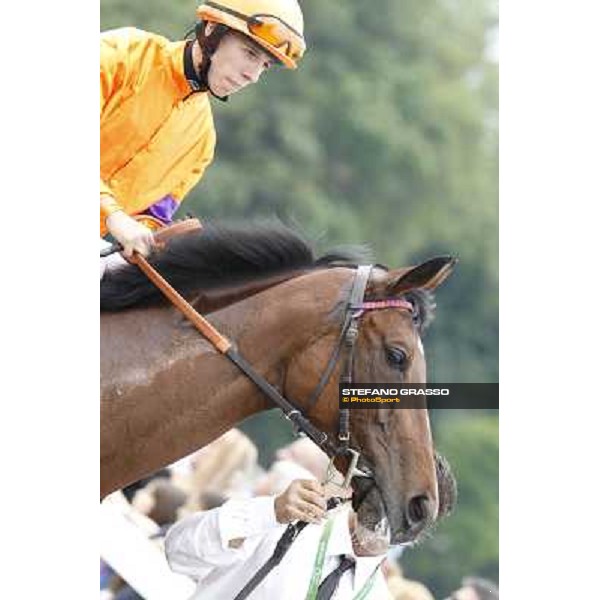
<point x="418" y="509"/>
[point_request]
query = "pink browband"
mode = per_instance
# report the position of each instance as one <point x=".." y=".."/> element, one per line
<point x="378" y="304"/>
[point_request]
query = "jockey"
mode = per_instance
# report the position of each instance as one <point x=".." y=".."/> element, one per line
<point x="156" y="127"/>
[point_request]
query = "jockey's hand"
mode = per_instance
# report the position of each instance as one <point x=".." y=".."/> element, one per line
<point x="304" y="500"/>
<point x="133" y="236"/>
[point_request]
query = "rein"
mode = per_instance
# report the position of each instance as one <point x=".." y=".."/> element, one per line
<point x="290" y="411"/>
<point x="223" y="345"/>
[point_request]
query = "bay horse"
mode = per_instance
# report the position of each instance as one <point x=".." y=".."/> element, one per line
<point x="165" y="391"/>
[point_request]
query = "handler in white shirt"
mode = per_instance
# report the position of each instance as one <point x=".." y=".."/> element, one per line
<point x="223" y="548"/>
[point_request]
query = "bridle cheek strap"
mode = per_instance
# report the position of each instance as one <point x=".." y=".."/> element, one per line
<point x="357" y="296"/>
<point x="359" y="285"/>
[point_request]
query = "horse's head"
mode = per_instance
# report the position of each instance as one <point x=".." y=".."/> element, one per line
<point x="407" y="486"/>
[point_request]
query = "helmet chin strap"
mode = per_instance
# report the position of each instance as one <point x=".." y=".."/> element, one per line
<point x="208" y="44"/>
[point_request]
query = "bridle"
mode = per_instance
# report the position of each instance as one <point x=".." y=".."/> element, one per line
<point x="355" y="308"/>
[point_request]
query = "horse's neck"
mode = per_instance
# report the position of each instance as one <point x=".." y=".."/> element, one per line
<point x="167" y="392"/>
<point x="140" y="346"/>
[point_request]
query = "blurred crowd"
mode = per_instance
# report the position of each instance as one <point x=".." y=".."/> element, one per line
<point x="229" y="468"/>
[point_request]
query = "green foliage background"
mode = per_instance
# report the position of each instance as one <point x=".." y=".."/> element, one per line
<point x="387" y="134"/>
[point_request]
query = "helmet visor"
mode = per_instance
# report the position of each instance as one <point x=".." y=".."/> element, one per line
<point x="278" y="34"/>
<point x="270" y="29"/>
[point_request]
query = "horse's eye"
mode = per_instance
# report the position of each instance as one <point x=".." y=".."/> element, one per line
<point x="396" y="357"/>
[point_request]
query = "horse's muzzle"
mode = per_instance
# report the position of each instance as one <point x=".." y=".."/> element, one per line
<point x="407" y="518"/>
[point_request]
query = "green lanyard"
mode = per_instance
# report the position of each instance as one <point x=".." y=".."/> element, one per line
<point x="318" y="567"/>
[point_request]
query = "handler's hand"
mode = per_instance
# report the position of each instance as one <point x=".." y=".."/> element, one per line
<point x="304" y="500"/>
<point x="133" y="236"/>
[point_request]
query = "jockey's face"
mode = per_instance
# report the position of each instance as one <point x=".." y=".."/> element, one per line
<point x="236" y="63"/>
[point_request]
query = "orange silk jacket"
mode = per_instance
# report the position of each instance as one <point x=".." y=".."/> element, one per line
<point x="157" y="135"/>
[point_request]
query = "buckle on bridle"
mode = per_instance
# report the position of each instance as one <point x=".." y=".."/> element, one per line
<point x="352" y="333"/>
<point x="353" y="470"/>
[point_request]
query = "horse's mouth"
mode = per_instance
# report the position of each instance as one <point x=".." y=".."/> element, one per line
<point x="379" y="523"/>
<point x="376" y="526"/>
<point x="369" y="541"/>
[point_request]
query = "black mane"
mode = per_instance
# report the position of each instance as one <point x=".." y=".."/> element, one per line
<point x="219" y="256"/>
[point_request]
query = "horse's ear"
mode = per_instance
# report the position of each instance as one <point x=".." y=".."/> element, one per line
<point x="427" y="275"/>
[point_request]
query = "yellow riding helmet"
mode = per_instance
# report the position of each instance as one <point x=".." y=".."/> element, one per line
<point x="277" y="25"/>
